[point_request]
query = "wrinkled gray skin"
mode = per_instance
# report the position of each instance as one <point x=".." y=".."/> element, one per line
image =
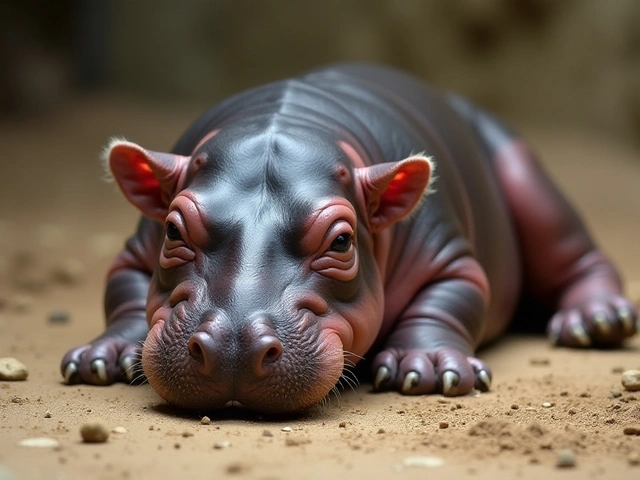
<point x="289" y="234"/>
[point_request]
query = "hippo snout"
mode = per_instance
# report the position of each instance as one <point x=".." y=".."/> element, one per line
<point x="253" y="354"/>
<point x="261" y="363"/>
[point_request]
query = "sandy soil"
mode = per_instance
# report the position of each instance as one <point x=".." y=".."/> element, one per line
<point x="54" y="207"/>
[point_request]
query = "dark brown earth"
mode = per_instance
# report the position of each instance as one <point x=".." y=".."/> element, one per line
<point x="55" y="208"/>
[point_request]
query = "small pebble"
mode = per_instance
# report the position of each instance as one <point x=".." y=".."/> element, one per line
<point x="617" y="369"/>
<point x="342" y="425"/>
<point x="12" y="369"/>
<point x="381" y="430"/>
<point x="47" y="414"/>
<point x="539" y="361"/>
<point x="424" y="462"/>
<point x="187" y="434"/>
<point x="547" y="405"/>
<point x="514" y="407"/>
<point x="634" y="459"/>
<point x="23" y="303"/>
<point x="267" y="433"/>
<point x="59" y="317"/>
<point x="119" y="430"/>
<point x="222" y="445"/>
<point x="566" y="459"/>
<point x="39" y="442"/>
<point x="94" y="431"/>
<point x="615" y="394"/>
<point x="286" y="429"/>
<point x="237" y="467"/>
<point x="631" y="430"/>
<point x="205" y="420"/>
<point x="443" y="425"/>
<point x="631" y="380"/>
<point x="69" y="272"/>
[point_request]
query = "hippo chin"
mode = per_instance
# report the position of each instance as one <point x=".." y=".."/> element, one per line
<point x="351" y="212"/>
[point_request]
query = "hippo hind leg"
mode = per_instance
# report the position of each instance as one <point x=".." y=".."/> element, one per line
<point x="563" y="269"/>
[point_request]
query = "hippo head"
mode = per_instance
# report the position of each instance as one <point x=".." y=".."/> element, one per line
<point x="267" y="282"/>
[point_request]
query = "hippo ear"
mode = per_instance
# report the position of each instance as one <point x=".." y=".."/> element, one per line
<point x="148" y="179"/>
<point x="393" y="190"/>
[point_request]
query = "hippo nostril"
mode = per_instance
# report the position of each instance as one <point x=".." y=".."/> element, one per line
<point x="202" y="349"/>
<point x="272" y="354"/>
<point x="268" y="350"/>
<point x="195" y="350"/>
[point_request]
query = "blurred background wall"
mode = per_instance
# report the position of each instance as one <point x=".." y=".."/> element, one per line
<point x="542" y="61"/>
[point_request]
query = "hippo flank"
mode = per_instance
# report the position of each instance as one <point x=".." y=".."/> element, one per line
<point x="350" y="212"/>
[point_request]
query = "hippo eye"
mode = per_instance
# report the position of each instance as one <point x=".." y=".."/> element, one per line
<point x="341" y="244"/>
<point x="172" y="232"/>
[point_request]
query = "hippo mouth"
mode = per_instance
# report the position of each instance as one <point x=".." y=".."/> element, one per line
<point x="306" y="369"/>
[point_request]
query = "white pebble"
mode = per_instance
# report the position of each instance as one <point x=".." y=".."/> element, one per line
<point x="286" y="429"/>
<point x="424" y="462"/>
<point x="547" y="405"/>
<point x="119" y="430"/>
<point x="12" y="369"/>
<point x="631" y="380"/>
<point x="43" y="442"/>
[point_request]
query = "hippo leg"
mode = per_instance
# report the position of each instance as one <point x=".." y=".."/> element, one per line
<point x="562" y="267"/>
<point x="431" y="347"/>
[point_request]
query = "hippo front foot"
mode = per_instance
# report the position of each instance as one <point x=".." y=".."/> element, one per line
<point x="599" y="322"/>
<point x="104" y="361"/>
<point x="418" y="372"/>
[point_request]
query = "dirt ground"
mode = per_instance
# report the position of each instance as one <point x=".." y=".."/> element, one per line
<point x="54" y="207"/>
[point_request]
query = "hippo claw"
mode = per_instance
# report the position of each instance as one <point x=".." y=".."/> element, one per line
<point x="483" y="381"/>
<point x="382" y="376"/>
<point x="71" y="373"/>
<point x="450" y="381"/>
<point x="99" y="368"/>
<point x="411" y="380"/>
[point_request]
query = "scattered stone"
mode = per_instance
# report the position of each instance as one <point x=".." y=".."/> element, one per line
<point x="286" y="429"/>
<point x="12" y="369"/>
<point x="424" y="462"/>
<point x="267" y="433"/>
<point x="59" y="317"/>
<point x="381" y="430"/>
<point x="615" y="393"/>
<point x="119" y="430"/>
<point x="47" y="414"/>
<point x="39" y="442"/>
<point x="23" y="303"/>
<point x="539" y="361"/>
<point x="548" y="404"/>
<point x="237" y="467"/>
<point x="566" y="459"/>
<point x="69" y="272"/>
<point x="205" y="420"/>
<point x="631" y="430"/>
<point x="631" y="380"/>
<point x="617" y="369"/>
<point x="222" y="445"/>
<point x="292" y="441"/>
<point x="514" y="407"/>
<point x="187" y="434"/>
<point x="19" y="400"/>
<point x="634" y="459"/>
<point x="443" y="425"/>
<point x="342" y="425"/>
<point x="94" y="431"/>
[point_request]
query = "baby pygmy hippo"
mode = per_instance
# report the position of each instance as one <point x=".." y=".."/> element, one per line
<point x="350" y="212"/>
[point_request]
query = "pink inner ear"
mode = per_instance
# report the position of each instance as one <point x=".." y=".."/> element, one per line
<point x="149" y="180"/>
<point x="395" y="189"/>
